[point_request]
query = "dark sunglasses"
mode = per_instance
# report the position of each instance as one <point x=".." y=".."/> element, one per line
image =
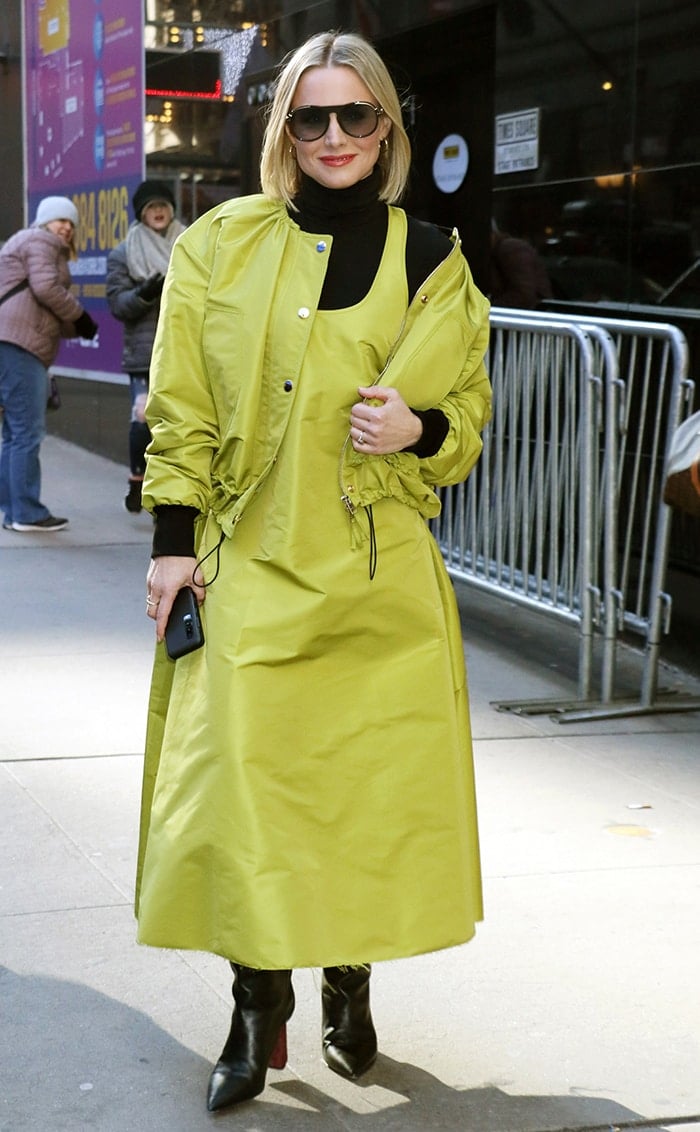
<point x="356" y="119"/>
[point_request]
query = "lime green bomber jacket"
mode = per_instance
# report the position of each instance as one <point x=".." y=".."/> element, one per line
<point x="236" y="314"/>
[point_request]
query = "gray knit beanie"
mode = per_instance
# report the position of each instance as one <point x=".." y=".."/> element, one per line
<point x="55" y="208"/>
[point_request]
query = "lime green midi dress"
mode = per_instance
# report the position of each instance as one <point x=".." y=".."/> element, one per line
<point x="310" y="797"/>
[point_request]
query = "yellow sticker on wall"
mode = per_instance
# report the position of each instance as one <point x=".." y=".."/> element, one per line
<point x="54" y="25"/>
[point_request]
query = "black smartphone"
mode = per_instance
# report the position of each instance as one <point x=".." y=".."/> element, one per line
<point x="184" y="632"/>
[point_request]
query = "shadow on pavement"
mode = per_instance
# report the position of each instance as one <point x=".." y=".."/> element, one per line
<point x="423" y="1102"/>
<point x="76" y="1059"/>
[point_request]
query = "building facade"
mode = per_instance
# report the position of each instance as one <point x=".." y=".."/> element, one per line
<point x="570" y="125"/>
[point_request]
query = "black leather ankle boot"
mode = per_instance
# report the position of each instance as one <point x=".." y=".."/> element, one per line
<point x="263" y="1002"/>
<point x="349" y="1037"/>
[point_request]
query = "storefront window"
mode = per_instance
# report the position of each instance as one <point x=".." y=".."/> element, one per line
<point x="611" y="188"/>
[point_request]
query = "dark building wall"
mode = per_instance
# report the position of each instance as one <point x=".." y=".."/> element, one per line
<point x="451" y="92"/>
<point x="11" y="159"/>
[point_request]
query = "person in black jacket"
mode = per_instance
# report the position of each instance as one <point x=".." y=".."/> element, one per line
<point x="135" y="274"/>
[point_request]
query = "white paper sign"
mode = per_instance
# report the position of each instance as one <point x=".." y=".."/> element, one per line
<point x="517" y="141"/>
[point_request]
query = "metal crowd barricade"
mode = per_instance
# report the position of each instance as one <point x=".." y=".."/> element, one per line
<point x="655" y="395"/>
<point x="523" y="523"/>
<point x="564" y="511"/>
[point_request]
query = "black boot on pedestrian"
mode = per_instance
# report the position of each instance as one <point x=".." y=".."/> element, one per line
<point x="132" y="501"/>
<point x="349" y="1037"/>
<point x="263" y="1003"/>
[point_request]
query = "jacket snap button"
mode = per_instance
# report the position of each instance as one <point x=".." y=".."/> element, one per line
<point x="321" y="246"/>
<point x="288" y="386"/>
<point x="303" y="312"/>
<point x="424" y="298"/>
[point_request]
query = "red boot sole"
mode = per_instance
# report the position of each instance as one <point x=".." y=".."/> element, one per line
<point x="278" y="1057"/>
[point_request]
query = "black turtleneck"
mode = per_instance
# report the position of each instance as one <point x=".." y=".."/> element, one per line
<point x="358" y="222"/>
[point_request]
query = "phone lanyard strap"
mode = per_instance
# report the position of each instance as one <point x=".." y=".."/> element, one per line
<point x="214" y="550"/>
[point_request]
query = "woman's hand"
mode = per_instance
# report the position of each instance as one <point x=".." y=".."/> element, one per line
<point x="390" y="426"/>
<point x="166" y="576"/>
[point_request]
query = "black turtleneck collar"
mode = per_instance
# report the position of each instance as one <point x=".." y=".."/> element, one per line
<point x="358" y="221"/>
<point x="320" y="205"/>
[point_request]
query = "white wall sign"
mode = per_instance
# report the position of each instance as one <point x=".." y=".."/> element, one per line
<point x="517" y="141"/>
<point x="450" y="163"/>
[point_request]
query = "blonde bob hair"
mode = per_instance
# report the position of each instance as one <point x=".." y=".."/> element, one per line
<point x="279" y="172"/>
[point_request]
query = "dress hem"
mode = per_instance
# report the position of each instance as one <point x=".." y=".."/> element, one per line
<point x="339" y="959"/>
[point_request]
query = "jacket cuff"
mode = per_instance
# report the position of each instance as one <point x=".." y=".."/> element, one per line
<point x="435" y="428"/>
<point x="173" y="533"/>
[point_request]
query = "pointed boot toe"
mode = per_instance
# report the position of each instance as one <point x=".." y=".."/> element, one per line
<point x="350" y="1063"/>
<point x="229" y="1087"/>
<point x="349" y="1037"/>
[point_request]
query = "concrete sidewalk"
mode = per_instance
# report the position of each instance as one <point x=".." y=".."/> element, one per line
<point x="576" y="1007"/>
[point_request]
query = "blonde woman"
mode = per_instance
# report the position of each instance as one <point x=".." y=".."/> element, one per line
<point x="318" y="370"/>
<point x="37" y="309"/>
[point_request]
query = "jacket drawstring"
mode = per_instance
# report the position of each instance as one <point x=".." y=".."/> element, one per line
<point x="372" y="543"/>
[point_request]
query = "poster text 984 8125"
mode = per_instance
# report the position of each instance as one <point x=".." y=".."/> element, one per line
<point x="84" y="107"/>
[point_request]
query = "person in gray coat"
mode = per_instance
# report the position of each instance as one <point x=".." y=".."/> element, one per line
<point x="37" y="309"/>
<point x="135" y="275"/>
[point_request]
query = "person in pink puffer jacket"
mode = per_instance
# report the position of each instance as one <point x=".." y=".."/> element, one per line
<point x="37" y="309"/>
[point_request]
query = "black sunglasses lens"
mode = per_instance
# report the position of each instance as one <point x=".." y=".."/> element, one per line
<point x="358" y="119"/>
<point x="309" y="122"/>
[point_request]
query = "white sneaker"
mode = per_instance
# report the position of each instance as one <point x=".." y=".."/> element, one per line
<point x="50" y="523"/>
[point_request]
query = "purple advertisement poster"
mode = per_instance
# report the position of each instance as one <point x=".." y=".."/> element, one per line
<point x="84" y="100"/>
